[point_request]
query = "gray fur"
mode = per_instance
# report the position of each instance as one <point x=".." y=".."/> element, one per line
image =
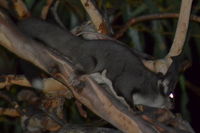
<point x="130" y="78"/>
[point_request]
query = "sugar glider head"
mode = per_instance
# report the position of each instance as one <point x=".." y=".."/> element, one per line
<point x="161" y="97"/>
<point x="156" y="101"/>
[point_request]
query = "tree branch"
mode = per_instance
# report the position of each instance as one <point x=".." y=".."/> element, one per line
<point x="144" y="18"/>
<point x="181" y="30"/>
<point x="21" y="9"/>
<point x="8" y="80"/>
<point x="45" y="9"/>
<point x="51" y="86"/>
<point x="83" y="87"/>
<point x="9" y="112"/>
<point x="15" y="105"/>
<point x="95" y="16"/>
<point x="90" y="95"/>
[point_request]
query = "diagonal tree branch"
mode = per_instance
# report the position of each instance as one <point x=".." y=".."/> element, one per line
<point x="90" y="95"/>
<point x="182" y="28"/>
<point x="83" y="87"/>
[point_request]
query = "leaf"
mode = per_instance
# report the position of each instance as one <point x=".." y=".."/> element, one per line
<point x="184" y="99"/>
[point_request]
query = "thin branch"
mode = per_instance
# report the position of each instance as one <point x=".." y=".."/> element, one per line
<point x="54" y="11"/>
<point x="13" y="103"/>
<point x="9" y="112"/>
<point x="45" y="9"/>
<point x="95" y="16"/>
<point x="21" y="9"/>
<point x="50" y="85"/>
<point x="181" y="30"/>
<point x="82" y="112"/>
<point x="144" y="18"/>
<point x="194" y="88"/>
<point x="9" y="80"/>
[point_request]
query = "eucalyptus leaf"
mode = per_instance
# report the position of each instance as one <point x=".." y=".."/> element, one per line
<point x="184" y="99"/>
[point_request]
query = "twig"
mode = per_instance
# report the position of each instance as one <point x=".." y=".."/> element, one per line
<point x="144" y="18"/>
<point x="13" y="103"/>
<point x="50" y="85"/>
<point x="9" y="80"/>
<point x="54" y="11"/>
<point x="9" y="112"/>
<point x="193" y="87"/>
<point x="21" y="9"/>
<point x="95" y="16"/>
<point x="82" y="112"/>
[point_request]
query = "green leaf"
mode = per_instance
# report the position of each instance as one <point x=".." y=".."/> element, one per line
<point x="184" y="99"/>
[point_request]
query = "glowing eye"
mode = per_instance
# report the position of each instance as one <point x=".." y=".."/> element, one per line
<point x="171" y="95"/>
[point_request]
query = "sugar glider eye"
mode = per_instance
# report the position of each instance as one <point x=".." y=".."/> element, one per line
<point x="171" y="95"/>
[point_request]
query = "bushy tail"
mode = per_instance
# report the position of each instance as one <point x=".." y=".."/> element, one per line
<point x="48" y="33"/>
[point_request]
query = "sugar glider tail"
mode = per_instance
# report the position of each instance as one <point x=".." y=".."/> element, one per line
<point x="48" y="33"/>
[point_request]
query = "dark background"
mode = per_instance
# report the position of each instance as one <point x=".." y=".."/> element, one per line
<point x="153" y="37"/>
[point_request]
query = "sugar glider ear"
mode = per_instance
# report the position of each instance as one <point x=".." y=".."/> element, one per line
<point x="180" y="63"/>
